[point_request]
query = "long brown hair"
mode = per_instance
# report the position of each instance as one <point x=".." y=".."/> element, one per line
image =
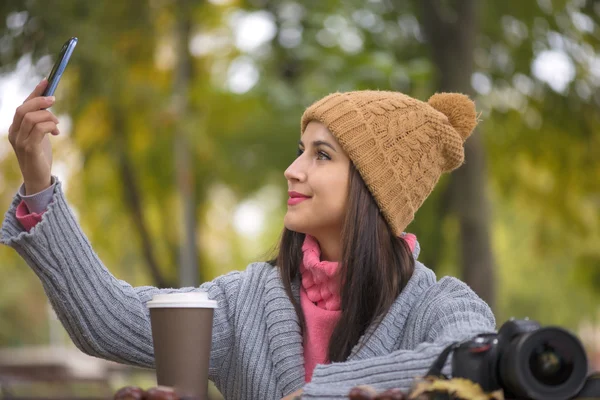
<point x="375" y="267"/>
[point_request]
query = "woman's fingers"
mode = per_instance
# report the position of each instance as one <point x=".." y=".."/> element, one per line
<point x="33" y="118"/>
<point x="34" y="104"/>
<point x="36" y="135"/>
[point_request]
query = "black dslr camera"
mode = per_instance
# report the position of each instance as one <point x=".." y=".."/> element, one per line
<point x="524" y="359"/>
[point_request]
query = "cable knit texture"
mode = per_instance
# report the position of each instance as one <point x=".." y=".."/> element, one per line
<point x="399" y="145"/>
<point x="320" y="279"/>
<point x="257" y="346"/>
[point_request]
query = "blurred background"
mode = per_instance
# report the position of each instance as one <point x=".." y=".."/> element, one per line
<point x="178" y="119"/>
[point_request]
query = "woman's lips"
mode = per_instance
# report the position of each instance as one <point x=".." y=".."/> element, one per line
<point x="295" y="200"/>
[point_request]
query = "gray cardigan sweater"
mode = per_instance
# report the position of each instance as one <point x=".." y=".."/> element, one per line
<point x="257" y="348"/>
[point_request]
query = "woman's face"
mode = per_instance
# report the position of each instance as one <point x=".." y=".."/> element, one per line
<point x="317" y="184"/>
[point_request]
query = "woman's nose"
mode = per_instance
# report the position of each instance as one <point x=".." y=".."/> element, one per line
<point x="295" y="172"/>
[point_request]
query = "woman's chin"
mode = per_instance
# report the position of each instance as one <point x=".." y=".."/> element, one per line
<point x="292" y="223"/>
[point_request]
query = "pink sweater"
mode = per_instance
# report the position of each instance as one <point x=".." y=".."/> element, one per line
<point x="319" y="294"/>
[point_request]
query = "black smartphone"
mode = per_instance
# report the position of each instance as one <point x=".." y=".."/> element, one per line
<point x="59" y="66"/>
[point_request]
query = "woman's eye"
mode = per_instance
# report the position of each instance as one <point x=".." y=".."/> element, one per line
<point x="323" y="156"/>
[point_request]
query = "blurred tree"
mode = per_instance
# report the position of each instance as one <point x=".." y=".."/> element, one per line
<point x="188" y="268"/>
<point x="452" y="29"/>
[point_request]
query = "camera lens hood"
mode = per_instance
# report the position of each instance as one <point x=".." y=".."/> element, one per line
<point x="549" y="363"/>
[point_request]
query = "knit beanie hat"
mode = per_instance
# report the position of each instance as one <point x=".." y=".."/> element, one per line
<point x="399" y="145"/>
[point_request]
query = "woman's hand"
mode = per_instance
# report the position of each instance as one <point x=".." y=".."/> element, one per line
<point x="27" y="135"/>
<point x="294" y="395"/>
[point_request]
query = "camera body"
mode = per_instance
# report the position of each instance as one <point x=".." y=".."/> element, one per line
<point x="525" y="360"/>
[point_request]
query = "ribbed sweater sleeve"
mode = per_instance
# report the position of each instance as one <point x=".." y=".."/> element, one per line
<point x="446" y="318"/>
<point x="104" y="316"/>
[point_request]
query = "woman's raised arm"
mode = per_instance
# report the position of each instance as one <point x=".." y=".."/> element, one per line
<point x="104" y="316"/>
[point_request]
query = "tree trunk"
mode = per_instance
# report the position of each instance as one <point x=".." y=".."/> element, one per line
<point x="451" y="28"/>
<point x="133" y="199"/>
<point x="188" y="267"/>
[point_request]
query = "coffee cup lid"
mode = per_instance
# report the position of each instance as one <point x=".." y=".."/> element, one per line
<point x="182" y="300"/>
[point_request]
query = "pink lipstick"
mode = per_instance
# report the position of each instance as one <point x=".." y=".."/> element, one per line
<point x="296" y="198"/>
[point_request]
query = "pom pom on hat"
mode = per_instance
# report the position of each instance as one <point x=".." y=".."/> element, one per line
<point x="459" y="109"/>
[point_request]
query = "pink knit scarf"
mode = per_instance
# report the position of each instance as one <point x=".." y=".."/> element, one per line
<point x="320" y="279"/>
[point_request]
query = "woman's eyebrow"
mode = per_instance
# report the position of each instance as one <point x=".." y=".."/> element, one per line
<point x="318" y="143"/>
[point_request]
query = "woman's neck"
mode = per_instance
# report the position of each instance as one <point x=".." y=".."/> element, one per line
<point x="331" y="247"/>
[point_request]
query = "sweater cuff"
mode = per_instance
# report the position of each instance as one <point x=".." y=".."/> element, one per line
<point x="38" y="202"/>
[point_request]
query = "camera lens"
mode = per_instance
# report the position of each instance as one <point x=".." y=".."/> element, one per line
<point x="549" y="366"/>
<point x="548" y="363"/>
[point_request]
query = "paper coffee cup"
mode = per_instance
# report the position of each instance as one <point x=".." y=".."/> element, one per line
<point x="182" y="334"/>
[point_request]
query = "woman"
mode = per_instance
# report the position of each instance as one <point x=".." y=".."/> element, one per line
<point x="345" y="302"/>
